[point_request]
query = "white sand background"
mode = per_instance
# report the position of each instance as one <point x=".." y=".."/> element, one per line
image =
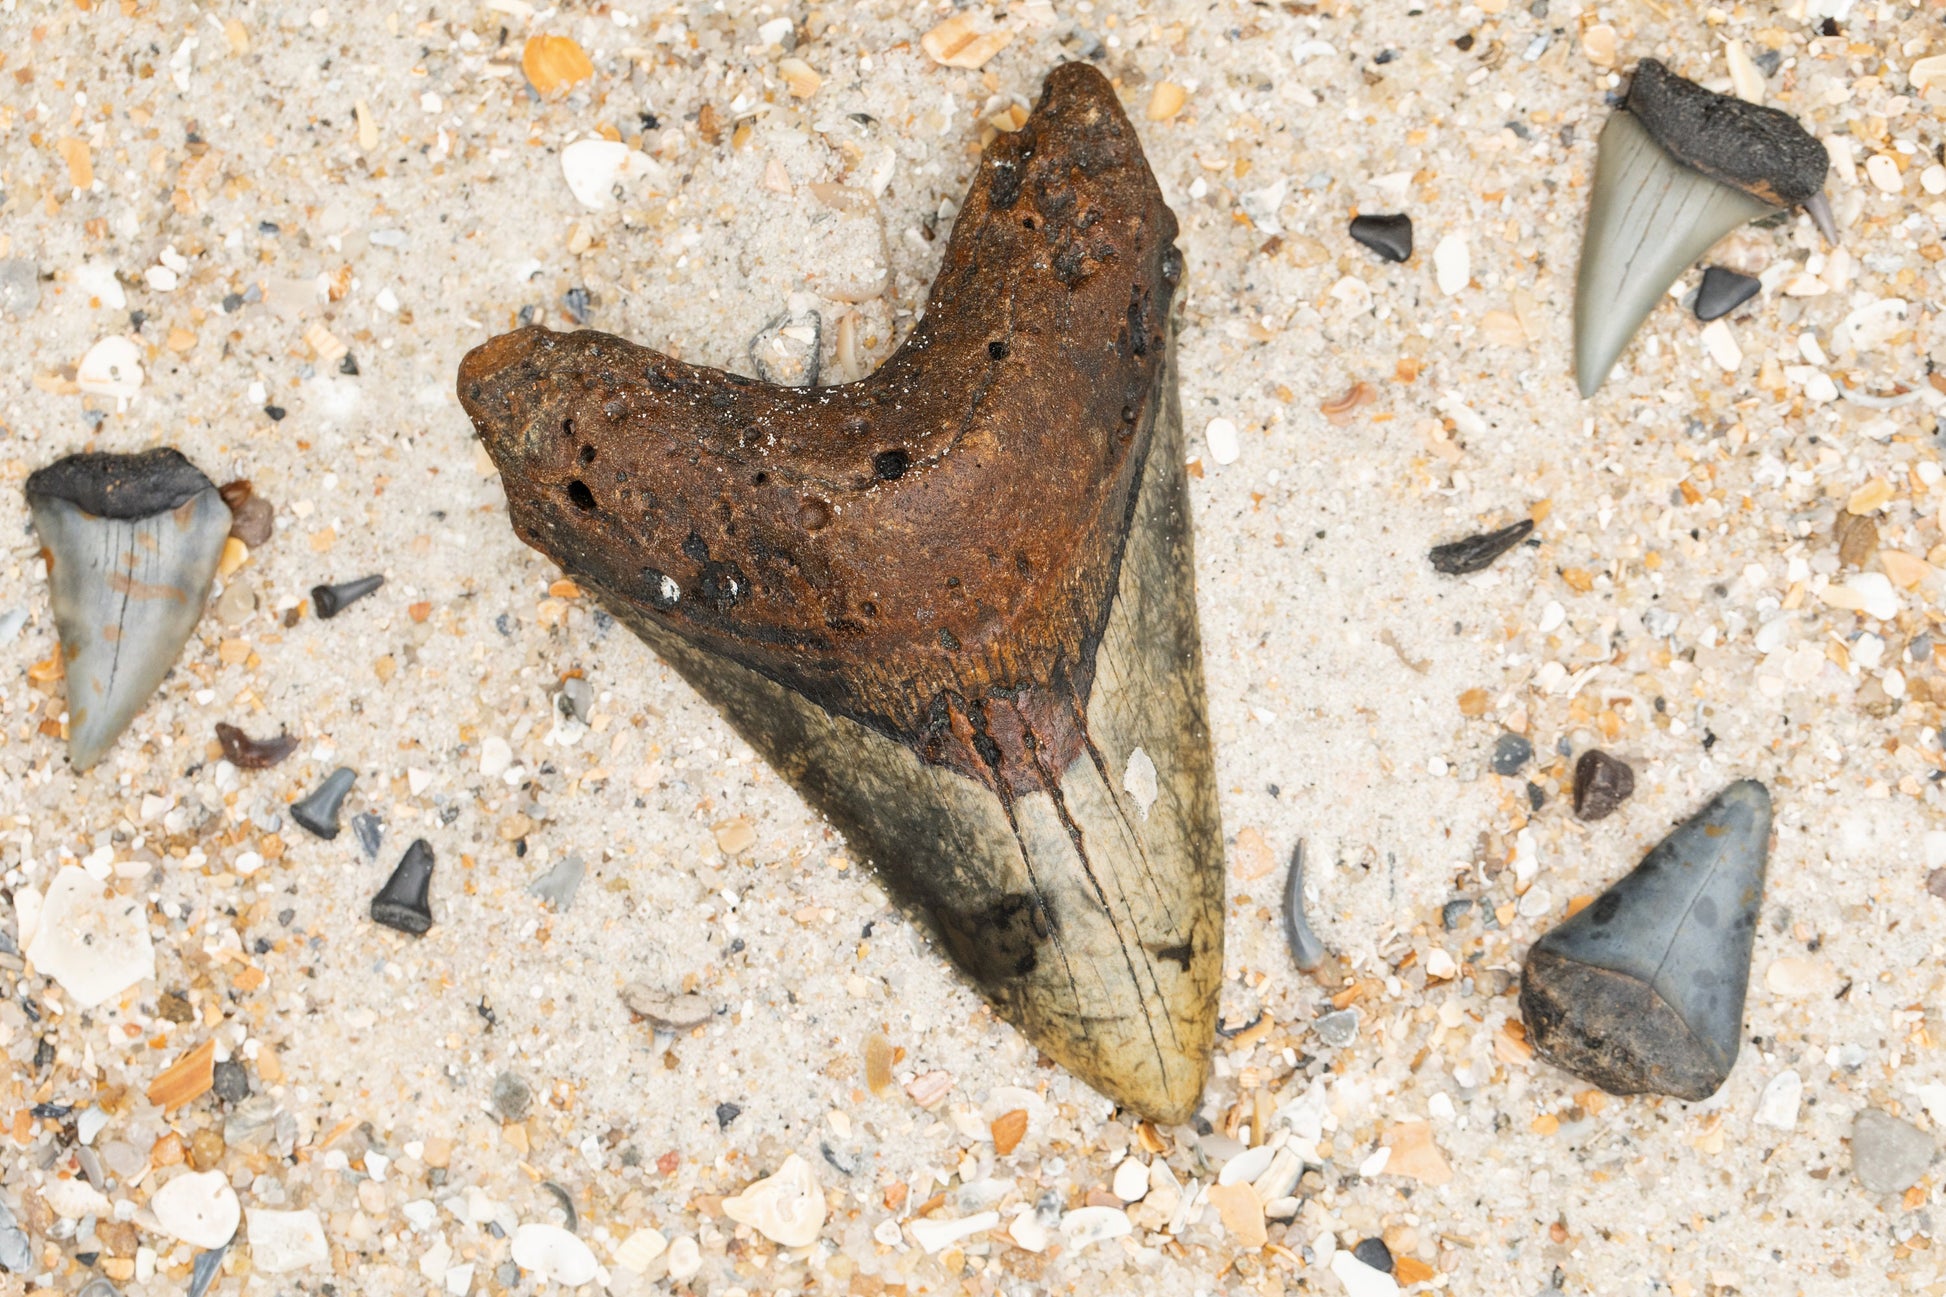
<point x="416" y="189"/>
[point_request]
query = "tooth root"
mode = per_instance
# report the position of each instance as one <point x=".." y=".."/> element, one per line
<point x="1643" y="990"/>
<point x="1651" y="217"/>
<point x="133" y="543"/>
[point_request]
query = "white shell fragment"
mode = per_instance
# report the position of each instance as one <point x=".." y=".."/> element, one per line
<point x="92" y="941"/>
<point x="554" y="1254"/>
<point x="198" y="1208"/>
<point x="112" y="367"/>
<point x="1087" y="1225"/>
<point x="1222" y="437"/>
<point x="1777" y="1107"/>
<point x="1131" y="1183"/>
<point x="596" y="169"/>
<point x="1453" y="264"/>
<point x="283" y="1241"/>
<point x="1361" y="1280"/>
<point x="636" y="1252"/>
<point x="1138" y="780"/>
<point x="937" y="1235"/>
<point x="786" y="1208"/>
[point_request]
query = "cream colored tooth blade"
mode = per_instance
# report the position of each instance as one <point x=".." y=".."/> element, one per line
<point x="1650" y="218"/>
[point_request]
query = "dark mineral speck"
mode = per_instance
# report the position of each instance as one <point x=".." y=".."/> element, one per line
<point x="1477" y="553"/>
<point x="1510" y="753"/>
<point x="725" y="1114"/>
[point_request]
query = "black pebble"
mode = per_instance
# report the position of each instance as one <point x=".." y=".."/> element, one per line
<point x="330" y="600"/>
<point x="1374" y="1253"/>
<point x="404" y="903"/>
<point x="1511" y="752"/>
<point x="579" y="304"/>
<point x="232" y="303"/>
<point x="1389" y="236"/>
<point x="1601" y="783"/>
<point x="725" y="1114"/>
<point x="512" y="1097"/>
<point x="349" y="365"/>
<point x="369" y="829"/>
<point x="318" y="813"/>
<point x="276" y="413"/>
<point x="1477" y="553"/>
<point x="232" y="1083"/>
<point x="1451" y="913"/>
<point x="1722" y="292"/>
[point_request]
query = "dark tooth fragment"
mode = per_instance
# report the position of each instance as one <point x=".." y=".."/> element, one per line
<point x="330" y="600"/>
<point x="204" y="1270"/>
<point x="246" y="753"/>
<point x="369" y="829"/>
<point x="1601" y="783"/>
<point x="1643" y="990"/>
<point x="318" y="813"/>
<point x="1307" y="952"/>
<point x="1389" y="236"/>
<point x="1723" y="291"/>
<point x="1763" y="151"/>
<point x="405" y="901"/>
<point x="349" y="365"/>
<point x="1374" y="1253"/>
<point x="1510" y="752"/>
<point x="1477" y="553"/>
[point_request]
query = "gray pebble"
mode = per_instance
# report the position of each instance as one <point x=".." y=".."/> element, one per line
<point x="558" y="885"/>
<point x="511" y="1097"/>
<point x="20" y="287"/>
<point x="1888" y="1155"/>
<point x="1453" y="913"/>
<point x="1511" y="752"/>
<point x="1338" y="1029"/>
<point x="232" y="1083"/>
<point x="577" y="698"/>
<point x="369" y="829"/>
<point x="15" y="1253"/>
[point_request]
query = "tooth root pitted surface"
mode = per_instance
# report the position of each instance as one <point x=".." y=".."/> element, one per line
<point x="949" y="601"/>
<point x="132" y="544"/>
<point x="1678" y="168"/>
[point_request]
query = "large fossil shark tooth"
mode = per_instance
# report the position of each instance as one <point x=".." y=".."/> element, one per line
<point x="1678" y="168"/>
<point x="950" y="602"/>
<point x="1643" y="990"/>
<point x="132" y="543"/>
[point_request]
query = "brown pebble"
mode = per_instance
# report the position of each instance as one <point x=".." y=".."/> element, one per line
<point x="206" y="1148"/>
<point x="1007" y="1130"/>
<point x="1857" y="539"/>
<point x="1601" y="783"/>
<point x="246" y="753"/>
<point x="1936" y="883"/>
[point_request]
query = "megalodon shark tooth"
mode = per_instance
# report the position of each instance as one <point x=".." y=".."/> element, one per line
<point x="952" y="603"/>
<point x="1678" y="167"/>
<point x="132" y="543"/>
<point x="1643" y="990"/>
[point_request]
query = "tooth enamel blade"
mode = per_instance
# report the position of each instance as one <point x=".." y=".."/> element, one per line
<point x="1650" y="219"/>
<point x="132" y="543"/>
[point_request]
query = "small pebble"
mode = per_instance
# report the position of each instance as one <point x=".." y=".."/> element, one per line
<point x="665" y="1010"/>
<point x="725" y="1114"/>
<point x="199" y="1208"/>
<point x="554" y="1254"/>
<point x="1452" y="264"/>
<point x="1389" y="236"/>
<point x="1888" y="1155"/>
<point x="558" y="885"/>
<point x="1361" y="1280"/>
<point x="1477" y="553"/>
<point x="318" y="814"/>
<point x="1777" y="1106"/>
<point x="404" y="903"/>
<point x="1601" y="783"/>
<point x="787" y="1208"/>
<point x="1086" y="1226"/>
<point x="230" y="1081"/>
<point x="935" y="1235"/>
<point x="330" y="600"/>
<point x="512" y="1097"/>
<point x="1222" y="437"/>
<point x="1131" y="1182"/>
<point x="1338" y="1029"/>
<point x="1451" y="913"/>
<point x="1510" y="752"/>
<point x="20" y="287"/>
<point x="369" y="829"/>
<point x="283" y="1241"/>
<point x="1722" y="291"/>
<point x="92" y="940"/>
<point x="246" y="753"/>
<point x="16" y="1253"/>
<point x="1374" y="1253"/>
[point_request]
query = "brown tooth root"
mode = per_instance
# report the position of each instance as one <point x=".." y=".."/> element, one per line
<point x="950" y="602"/>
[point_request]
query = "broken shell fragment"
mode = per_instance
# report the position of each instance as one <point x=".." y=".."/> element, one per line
<point x="246" y="753"/>
<point x="787" y="1208"/>
<point x="1722" y="291"/>
<point x="405" y="902"/>
<point x="948" y="601"/>
<point x="132" y="543"/>
<point x="1678" y="168"/>
<point x="1643" y="990"/>
<point x="89" y="938"/>
<point x="1477" y="553"/>
<point x="318" y="813"/>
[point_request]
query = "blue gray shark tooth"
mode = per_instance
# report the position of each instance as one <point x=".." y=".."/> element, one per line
<point x="1643" y="990"/>
<point x="1678" y="168"/>
<point x="132" y="543"/>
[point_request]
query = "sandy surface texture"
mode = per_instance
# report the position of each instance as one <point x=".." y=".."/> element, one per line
<point x="266" y="233"/>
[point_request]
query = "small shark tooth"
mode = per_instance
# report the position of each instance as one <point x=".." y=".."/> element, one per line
<point x="132" y="543"/>
<point x="1678" y="168"/>
<point x="318" y="813"/>
<point x="1643" y="990"/>
<point x="949" y="601"/>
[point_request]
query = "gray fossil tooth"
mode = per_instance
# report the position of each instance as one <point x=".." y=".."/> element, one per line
<point x="132" y="543"/>
<point x="1643" y="990"/>
<point x="1307" y="952"/>
<point x="318" y="813"/>
<point x="1678" y="168"/>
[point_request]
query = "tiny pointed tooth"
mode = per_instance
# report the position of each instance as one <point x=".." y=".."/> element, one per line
<point x="1818" y="208"/>
<point x="1643" y="990"/>
<point x="404" y="904"/>
<point x="1307" y="952"/>
<point x="318" y="813"/>
<point x="133" y="543"/>
<point x="1650" y="218"/>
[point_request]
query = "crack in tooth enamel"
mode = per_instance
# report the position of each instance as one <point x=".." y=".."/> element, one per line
<point x="133" y="543"/>
<point x="946" y="601"/>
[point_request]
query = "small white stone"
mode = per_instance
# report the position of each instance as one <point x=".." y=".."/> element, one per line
<point x="459" y="1280"/>
<point x="162" y="279"/>
<point x="1933" y="179"/>
<point x="1028" y="1233"/>
<point x="200" y="1209"/>
<point x="1747" y="81"/>
<point x="282" y="1241"/>
<point x="387" y="300"/>
<point x="638" y="1250"/>
<point x="595" y="169"/>
<point x="1261" y="205"/>
<point x="92" y="941"/>
<point x="1778" y="1105"/>
<point x="1089" y="1225"/>
<point x="1722" y="345"/>
<point x="1361" y="1280"/>
<point x="1246" y="1166"/>
<point x="496" y="754"/>
<point x="1138" y="780"/>
<point x="1222" y="437"/>
<point x="685" y="1259"/>
<point x="1131" y="1182"/>
<point x="112" y="367"/>
<point x="787" y="1207"/>
<point x="1440" y="965"/>
<point x="1551" y="616"/>
<point x="94" y="280"/>
<point x="1453" y="264"/>
<point x="936" y="1236"/>
<point x="73" y="1199"/>
<point x="1882" y="171"/>
<point x="1875" y="591"/>
<point x="554" y="1254"/>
